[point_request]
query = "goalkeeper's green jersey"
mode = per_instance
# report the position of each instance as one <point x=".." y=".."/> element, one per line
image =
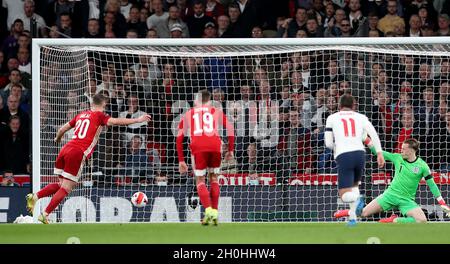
<point x="407" y="175"/>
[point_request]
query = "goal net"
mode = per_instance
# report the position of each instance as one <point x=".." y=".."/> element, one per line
<point x="277" y="93"/>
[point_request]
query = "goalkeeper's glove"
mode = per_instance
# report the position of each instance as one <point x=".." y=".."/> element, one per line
<point x="444" y="206"/>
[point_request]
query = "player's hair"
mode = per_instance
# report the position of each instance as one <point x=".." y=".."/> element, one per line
<point x="412" y="143"/>
<point x="346" y="100"/>
<point x="204" y="96"/>
<point x="98" y="99"/>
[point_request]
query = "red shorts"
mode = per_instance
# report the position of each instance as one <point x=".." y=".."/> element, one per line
<point x="206" y="160"/>
<point x="69" y="163"/>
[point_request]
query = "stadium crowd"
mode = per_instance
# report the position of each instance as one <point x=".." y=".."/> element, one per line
<point x="404" y="96"/>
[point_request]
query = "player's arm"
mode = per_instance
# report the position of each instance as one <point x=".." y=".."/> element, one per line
<point x="62" y="130"/>
<point x="369" y="143"/>
<point x="230" y="134"/>
<point x="368" y="127"/>
<point x="329" y="134"/>
<point x="435" y="191"/>
<point x="182" y="166"/>
<point x="128" y="121"/>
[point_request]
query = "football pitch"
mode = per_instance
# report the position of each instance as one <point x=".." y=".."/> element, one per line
<point x="226" y="233"/>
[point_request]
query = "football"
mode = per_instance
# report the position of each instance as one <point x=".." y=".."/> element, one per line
<point x="139" y="199"/>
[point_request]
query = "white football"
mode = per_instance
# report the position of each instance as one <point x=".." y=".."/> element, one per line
<point x="139" y="199"/>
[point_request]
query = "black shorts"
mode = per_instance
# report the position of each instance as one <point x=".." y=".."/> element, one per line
<point x="350" y="166"/>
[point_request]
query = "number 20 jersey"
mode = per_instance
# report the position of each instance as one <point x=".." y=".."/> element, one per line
<point x="87" y="128"/>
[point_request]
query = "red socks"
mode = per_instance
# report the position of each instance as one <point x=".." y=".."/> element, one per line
<point x="56" y="200"/>
<point x="203" y="193"/>
<point x="48" y="190"/>
<point x="215" y="192"/>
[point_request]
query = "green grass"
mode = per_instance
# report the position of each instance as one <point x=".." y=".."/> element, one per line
<point x="230" y="233"/>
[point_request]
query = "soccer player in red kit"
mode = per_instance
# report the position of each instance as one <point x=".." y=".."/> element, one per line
<point x="201" y="123"/>
<point x="69" y="163"/>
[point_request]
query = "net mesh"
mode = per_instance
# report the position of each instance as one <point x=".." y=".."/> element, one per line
<point x="278" y="98"/>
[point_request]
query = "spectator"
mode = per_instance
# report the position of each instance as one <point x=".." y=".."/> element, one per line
<point x="133" y="111"/>
<point x="23" y="56"/>
<point x="342" y="30"/>
<point x="319" y="118"/>
<point x="137" y="162"/>
<point x="114" y="21"/>
<point x="404" y="100"/>
<point x="132" y="33"/>
<point x="248" y="15"/>
<point x="223" y="22"/>
<point x="243" y="114"/>
<point x="10" y="44"/>
<point x="210" y="30"/>
<point x="427" y="113"/>
<point x="406" y="129"/>
<point x="257" y="32"/>
<point x="291" y="26"/>
<point x="152" y="68"/>
<point x="158" y="20"/>
<point x="8" y="179"/>
<point x="176" y="31"/>
<point x="174" y="19"/>
<point x="125" y="7"/>
<point x="372" y="24"/>
<point x="12" y="109"/>
<point x="301" y="34"/>
<point x="14" y="77"/>
<point x="22" y="94"/>
<point x="312" y="28"/>
<point x="423" y="80"/>
<point x="443" y="25"/>
<point x="144" y="15"/>
<point x="234" y="29"/>
<point x="14" y="149"/>
<point x="151" y="33"/>
<point x="444" y="92"/>
<point x="15" y="10"/>
<point x="93" y="29"/>
<point x="29" y="14"/>
<point x="185" y="10"/>
<point x="65" y="26"/>
<point x="325" y="160"/>
<point x="425" y="21"/>
<point x="108" y="81"/>
<point x="134" y="22"/>
<point x="355" y="15"/>
<point x="55" y="9"/>
<point x="191" y="82"/>
<point x="295" y="146"/>
<point x="414" y="27"/>
<point x="391" y="19"/>
<point x="196" y="23"/>
<point x="214" y="9"/>
<point x="329" y="14"/>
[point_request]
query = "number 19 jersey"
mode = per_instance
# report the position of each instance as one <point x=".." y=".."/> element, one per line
<point x="348" y="128"/>
<point x="202" y="125"/>
<point x="88" y="126"/>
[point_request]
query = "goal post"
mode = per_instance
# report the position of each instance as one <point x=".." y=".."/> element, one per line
<point x="276" y="91"/>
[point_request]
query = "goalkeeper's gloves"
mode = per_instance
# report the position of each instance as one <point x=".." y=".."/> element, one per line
<point x="444" y="206"/>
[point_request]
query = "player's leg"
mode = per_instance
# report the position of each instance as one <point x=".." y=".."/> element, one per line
<point x="214" y="160"/>
<point x="413" y="212"/>
<point x="360" y="157"/>
<point x="199" y="166"/>
<point x="51" y="188"/>
<point x="346" y="175"/>
<point x="73" y="165"/>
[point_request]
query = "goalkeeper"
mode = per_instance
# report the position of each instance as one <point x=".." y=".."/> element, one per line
<point x="409" y="170"/>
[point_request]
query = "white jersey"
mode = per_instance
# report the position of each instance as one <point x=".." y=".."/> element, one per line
<point x="348" y="129"/>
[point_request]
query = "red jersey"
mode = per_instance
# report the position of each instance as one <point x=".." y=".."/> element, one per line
<point x="88" y="126"/>
<point x="202" y="125"/>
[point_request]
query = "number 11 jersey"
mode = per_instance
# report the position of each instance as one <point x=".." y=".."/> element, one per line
<point x="348" y="128"/>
